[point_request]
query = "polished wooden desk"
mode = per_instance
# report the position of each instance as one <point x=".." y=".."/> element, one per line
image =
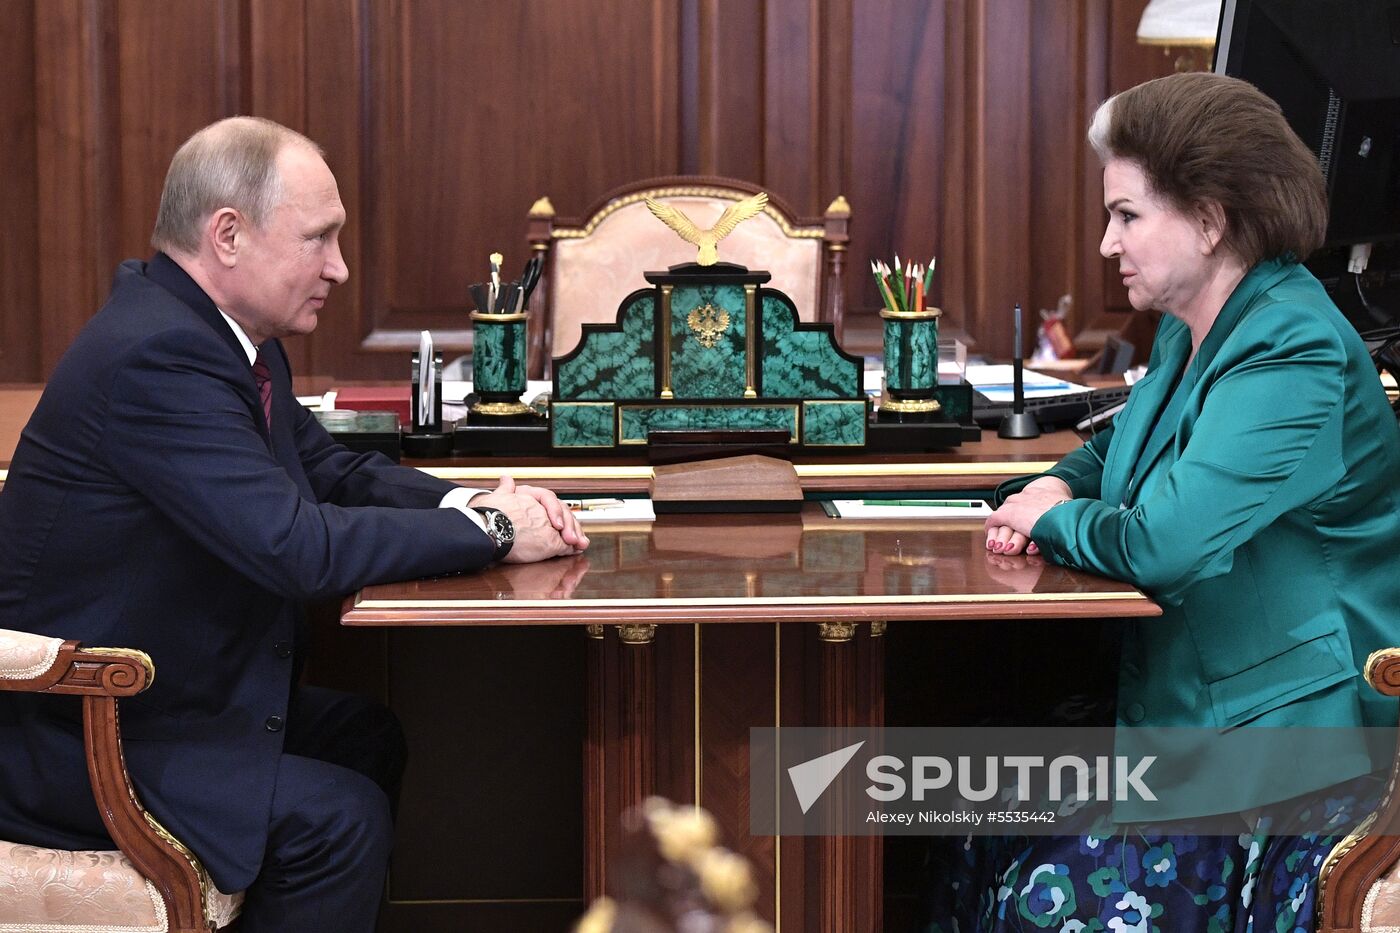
<point x="729" y="569"/>
<point x="704" y="626"/>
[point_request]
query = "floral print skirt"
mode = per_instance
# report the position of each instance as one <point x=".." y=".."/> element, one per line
<point x="1135" y="879"/>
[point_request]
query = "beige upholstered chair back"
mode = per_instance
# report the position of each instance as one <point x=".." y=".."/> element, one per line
<point x="596" y="262"/>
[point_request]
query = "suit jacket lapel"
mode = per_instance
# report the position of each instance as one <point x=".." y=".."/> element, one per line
<point x="1166" y="430"/>
<point x="1262" y="277"/>
<point x="166" y="273"/>
<point x="1135" y="451"/>
<point x="1146" y="401"/>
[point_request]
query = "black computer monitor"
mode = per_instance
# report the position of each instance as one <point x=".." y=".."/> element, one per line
<point x="1334" y="68"/>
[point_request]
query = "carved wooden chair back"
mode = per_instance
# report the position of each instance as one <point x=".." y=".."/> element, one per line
<point x="152" y="881"/>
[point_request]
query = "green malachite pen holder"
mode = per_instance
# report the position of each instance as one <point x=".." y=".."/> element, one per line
<point x="911" y="365"/>
<point x="498" y="364"/>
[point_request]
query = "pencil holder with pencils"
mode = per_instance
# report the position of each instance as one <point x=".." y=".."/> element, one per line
<point x="911" y="342"/>
<point x="499" y="342"/>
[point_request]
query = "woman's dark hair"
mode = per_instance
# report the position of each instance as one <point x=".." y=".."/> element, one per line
<point x="1203" y="137"/>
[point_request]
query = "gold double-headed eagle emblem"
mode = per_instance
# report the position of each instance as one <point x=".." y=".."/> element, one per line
<point x="708" y="324"/>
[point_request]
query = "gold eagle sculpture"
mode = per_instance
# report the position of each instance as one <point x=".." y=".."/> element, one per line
<point x="707" y="240"/>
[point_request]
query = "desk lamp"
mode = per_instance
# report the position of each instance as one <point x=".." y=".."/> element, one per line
<point x="1189" y="25"/>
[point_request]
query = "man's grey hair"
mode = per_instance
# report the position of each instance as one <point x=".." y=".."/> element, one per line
<point x="231" y="163"/>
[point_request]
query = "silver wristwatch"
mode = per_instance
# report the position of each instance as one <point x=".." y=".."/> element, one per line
<point x="500" y="528"/>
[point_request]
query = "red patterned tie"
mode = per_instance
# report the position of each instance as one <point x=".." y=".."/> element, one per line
<point x="263" y="377"/>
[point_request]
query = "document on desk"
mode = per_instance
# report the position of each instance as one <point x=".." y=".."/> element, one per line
<point x="611" y="510"/>
<point x="995" y="383"/>
<point x="907" y="508"/>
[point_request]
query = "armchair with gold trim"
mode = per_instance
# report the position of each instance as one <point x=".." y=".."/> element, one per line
<point x="151" y="883"/>
<point x="593" y="263"/>
<point x="1359" y="890"/>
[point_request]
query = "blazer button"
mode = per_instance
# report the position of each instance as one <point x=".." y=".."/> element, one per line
<point x="284" y="649"/>
<point x="274" y="724"/>
<point x="1135" y="712"/>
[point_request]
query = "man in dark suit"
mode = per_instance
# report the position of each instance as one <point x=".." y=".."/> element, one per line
<point x="170" y="494"/>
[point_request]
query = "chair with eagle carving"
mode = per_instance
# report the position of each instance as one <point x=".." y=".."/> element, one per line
<point x="151" y="883"/>
<point x="593" y="262"/>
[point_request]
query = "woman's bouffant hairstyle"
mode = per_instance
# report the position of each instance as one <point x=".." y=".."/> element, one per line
<point x="231" y="163"/>
<point x="1203" y="137"/>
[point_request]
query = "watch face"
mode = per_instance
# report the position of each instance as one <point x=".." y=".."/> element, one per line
<point x="502" y="529"/>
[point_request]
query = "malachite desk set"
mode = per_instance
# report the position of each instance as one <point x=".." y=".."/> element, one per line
<point x="709" y="350"/>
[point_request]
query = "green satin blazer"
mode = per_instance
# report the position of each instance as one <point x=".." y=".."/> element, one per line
<point x="1254" y="495"/>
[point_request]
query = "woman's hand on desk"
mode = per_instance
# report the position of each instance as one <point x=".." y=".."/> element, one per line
<point x="544" y="528"/>
<point x="1009" y="527"/>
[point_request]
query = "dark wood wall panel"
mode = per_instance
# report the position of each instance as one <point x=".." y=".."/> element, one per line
<point x="73" y="91"/>
<point x="954" y="128"/>
<point x="1057" y="153"/>
<point x="447" y="121"/>
<point x="168" y="81"/>
<point x="731" y="56"/>
<point x="898" y="129"/>
<point x="792" y="102"/>
<point x="1093" y="52"/>
<point x="267" y="71"/>
<point x="19" y="248"/>
<point x="999" y="257"/>
<point x="337" y="84"/>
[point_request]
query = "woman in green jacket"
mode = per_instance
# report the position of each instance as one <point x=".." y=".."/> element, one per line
<point x="1252" y="487"/>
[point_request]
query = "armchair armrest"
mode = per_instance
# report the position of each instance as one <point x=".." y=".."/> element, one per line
<point x="1383" y="671"/>
<point x="38" y="664"/>
<point x="1372" y="849"/>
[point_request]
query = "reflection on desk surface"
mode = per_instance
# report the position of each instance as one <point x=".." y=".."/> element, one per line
<point x="733" y="568"/>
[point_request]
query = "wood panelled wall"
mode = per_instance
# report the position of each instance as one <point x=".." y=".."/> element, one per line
<point x="954" y="128"/>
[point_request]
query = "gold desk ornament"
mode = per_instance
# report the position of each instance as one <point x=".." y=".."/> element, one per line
<point x="708" y="324"/>
<point x="839" y="207"/>
<point x="708" y="240"/>
<point x="636" y="633"/>
<point x="910" y="406"/>
<point x="836" y="633"/>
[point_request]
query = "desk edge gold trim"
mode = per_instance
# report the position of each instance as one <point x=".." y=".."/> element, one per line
<point x="362" y="603"/>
